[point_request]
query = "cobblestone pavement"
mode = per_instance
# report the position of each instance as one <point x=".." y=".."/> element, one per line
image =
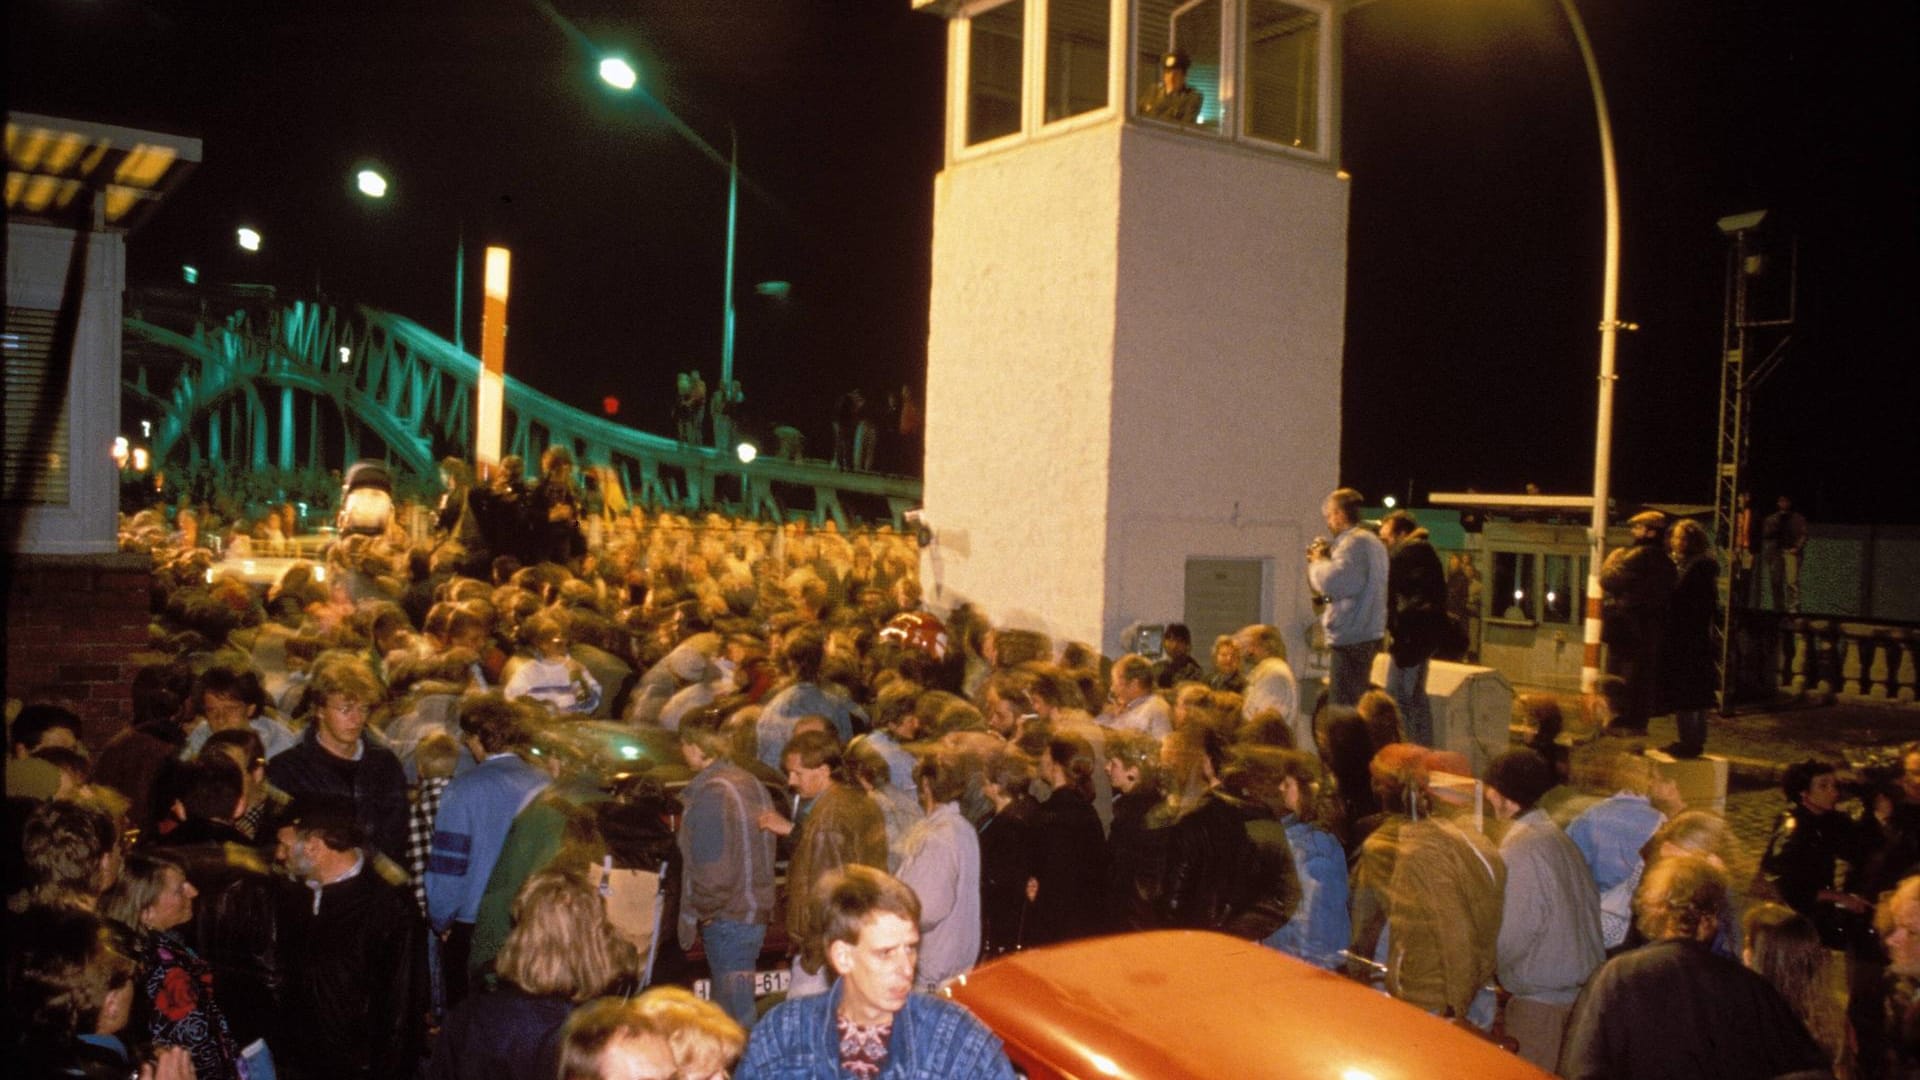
<point x="1758" y="745"/>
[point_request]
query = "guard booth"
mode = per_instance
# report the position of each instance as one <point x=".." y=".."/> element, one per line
<point x="1534" y="600"/>
<point x="1531" y="560"/>
<point x="1129" y="306"/>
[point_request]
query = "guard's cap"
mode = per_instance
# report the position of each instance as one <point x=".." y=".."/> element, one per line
<point x="1652" y="519"/>
<point x="1175" y="60"/>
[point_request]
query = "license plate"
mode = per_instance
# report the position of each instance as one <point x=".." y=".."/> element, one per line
<point x="764" y="983"/>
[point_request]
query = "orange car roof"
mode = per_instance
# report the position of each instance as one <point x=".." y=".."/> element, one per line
<point x="1177" y="1004"/>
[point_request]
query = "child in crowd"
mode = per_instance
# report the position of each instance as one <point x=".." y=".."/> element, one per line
<point x="553" y="678"/>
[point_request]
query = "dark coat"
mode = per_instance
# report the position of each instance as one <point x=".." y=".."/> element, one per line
<point x="1132" y="848"/>
<point x="1637" y="586"/>
<point x="356" y="989"/>
<point x="506" y="1035"/>
<point x="1416" y="600"/>
<point x="1202" y="876"/>
<point x="236" y="923"/>
<point x="1008" y="854"/>
<point x="1689" y="670"/>
<point x="377" y="790"/>
<point x="1072" y="868"/>
<point x="1805" y="849"/>
<point x="138" y="763"/>
<point x="1674" y="1010"/>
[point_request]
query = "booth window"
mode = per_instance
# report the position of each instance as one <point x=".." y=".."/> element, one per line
<point x="1514" y="598"/>
<point x="1280" y="85"/>
<point x="1079" y="39"/>
<point x="1563" y="583"/>
<point x="995" y="44"/>
<point x="1188" y="26"/>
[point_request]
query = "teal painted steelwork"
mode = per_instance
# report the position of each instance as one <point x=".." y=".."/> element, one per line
<point x="414" y="392"/>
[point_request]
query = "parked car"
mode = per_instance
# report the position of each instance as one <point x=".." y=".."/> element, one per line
<point x="1194" y="1005"/>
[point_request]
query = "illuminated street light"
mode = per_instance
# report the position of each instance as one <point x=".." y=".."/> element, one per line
<point x="249" y="239"/>
<point x="371" y="183"/>
<point x="1390" y="502"/>
<point x="618" y="74"/>
<point x="747" y="452"/>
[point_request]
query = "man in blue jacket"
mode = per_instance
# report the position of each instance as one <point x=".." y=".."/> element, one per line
<point x="872" y="1023"/>
<point x="475" y="813"/>
<point x="1351" y="572"/>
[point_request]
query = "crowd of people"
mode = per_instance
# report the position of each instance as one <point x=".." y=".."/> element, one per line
<point x="360" y="824"/>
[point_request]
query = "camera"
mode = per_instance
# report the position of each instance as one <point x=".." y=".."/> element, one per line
<point x="916" y="520"/>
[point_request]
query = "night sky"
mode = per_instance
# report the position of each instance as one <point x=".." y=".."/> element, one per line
<point x="1475" y="236"/>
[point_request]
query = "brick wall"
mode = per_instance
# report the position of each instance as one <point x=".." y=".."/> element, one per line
<point x="74" y="624"/>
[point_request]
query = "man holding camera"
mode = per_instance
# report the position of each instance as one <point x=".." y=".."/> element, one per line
<point x="1351" y="572"/>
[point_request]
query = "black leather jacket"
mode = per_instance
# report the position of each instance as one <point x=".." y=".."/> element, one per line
<point x="236" y="923"/>
<point x="1224" y="869"/>
<point x="1806" y="848"/>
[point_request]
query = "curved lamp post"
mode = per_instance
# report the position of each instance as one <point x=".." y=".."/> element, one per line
<point x="1610" y="327"/>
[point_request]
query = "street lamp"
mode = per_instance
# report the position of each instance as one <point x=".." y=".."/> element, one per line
<point x="619" y="74"/>
<point x="371" y="183"/>
<point x="247" y="238"/>
<point x="1610" y="327"/>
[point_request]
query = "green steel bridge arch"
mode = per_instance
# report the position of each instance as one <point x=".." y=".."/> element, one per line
<point x="386" y="380"/>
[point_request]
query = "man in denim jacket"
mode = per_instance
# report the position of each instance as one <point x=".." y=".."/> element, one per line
<point x="872" y="1023"/>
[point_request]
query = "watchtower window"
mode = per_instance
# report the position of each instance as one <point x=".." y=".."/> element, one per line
<point x="1281" y="80"/>
<point x="1079" y="41"/>
<point x="995" y="45"/>
<point x="1191" y="27"/>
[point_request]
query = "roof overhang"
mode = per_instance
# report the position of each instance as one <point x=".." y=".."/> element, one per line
<point x="64" y="171"/>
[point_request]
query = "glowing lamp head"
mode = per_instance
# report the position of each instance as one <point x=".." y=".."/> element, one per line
<point x="618" y="74"/>
<point x="249" y="239"/>
<point x="371" y="184"/>
<point x="1390" y="502"/>
<point x="746" y="452"/>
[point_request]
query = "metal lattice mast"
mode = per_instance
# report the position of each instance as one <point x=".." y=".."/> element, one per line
<point x="1738" y="380"/>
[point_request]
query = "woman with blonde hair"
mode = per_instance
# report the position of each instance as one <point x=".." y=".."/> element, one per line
<point x="152" y="898"/>
<point x="704" y="1039"/>
<point x="562" y="951"/>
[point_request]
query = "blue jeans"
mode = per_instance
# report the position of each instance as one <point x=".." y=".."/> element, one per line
<point x="1352" y="671"/>
<point x="1408" y="688"/>
<point x="733" y="949"/>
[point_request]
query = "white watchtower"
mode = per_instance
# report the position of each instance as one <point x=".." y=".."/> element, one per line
<point x="1133" y="361"/>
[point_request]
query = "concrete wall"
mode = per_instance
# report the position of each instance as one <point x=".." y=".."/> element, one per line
<point x="1226" y="418"/>
<point x="1133" y="358"/>
<point x="39" y="260"/>
<point x="1019" y="397"/>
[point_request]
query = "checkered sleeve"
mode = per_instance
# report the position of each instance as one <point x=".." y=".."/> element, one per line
<point x="426" y="805"/>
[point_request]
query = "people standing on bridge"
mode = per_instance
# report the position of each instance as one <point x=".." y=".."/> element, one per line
<point x="690" y="407"/>
<point x="1785" y="535"/>
<point x="1416" y="618"/>
<point x="1689" y="670"/>
<point x="724" y="403"/>
<point x="554" y="510"/>
<point x="1351" y="572"/>
<point x="1172" y="99"/>
<point x="1637" y="585"/>
<point x="846" y="422"/>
